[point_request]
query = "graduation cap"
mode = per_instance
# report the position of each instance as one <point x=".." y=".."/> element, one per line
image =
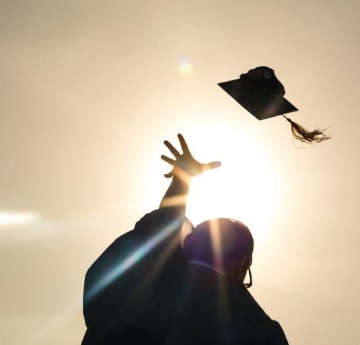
<point x="262" y="95"/>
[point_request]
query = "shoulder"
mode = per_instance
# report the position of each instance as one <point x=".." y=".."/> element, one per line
<point x="276" y="334"/>
<point x="132" y="239"/>
<point x="270" y="330"/>
<point x="166" y="218"/>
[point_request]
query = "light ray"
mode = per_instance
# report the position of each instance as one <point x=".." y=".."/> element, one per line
<point x="144" y="283"/>
<point x="174" y="201"/>
<point x="132" y="259"/>
<point x="223" y="301"/>
<point x="216" y="242"/>
<point x="16" y="218"/>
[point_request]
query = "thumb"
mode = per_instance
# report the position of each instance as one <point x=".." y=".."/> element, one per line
<point x="212" y="165"/>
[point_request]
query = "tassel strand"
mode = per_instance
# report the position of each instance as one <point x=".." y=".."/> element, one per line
<point x="301" y="133"/>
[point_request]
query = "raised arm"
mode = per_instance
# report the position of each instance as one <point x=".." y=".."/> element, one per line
<point x="184" y="168"/>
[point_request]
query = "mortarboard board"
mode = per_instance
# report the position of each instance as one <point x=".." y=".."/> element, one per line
<point x="262" y="95"/>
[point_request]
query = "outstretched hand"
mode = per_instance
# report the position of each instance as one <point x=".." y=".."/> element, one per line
<point x="185" y="165"/>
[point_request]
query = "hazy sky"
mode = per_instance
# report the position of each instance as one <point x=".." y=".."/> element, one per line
<point x="89" y="91"/>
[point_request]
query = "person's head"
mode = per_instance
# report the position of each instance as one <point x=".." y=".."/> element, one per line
<point x="223" y="243"/>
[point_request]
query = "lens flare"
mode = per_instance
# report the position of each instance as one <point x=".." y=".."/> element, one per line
<point x="216" y="241"/>
<point x="15" y="218"/>
<point x="185" y="68"/>
<point x="132" y="259"/>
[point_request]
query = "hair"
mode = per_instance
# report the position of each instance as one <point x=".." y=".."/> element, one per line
<point x="219" y="242"/>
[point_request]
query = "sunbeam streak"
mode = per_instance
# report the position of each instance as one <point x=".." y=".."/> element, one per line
<point x="132" y="259"/>
<point x="216" y="242"/>
<point x="15" y="218"/>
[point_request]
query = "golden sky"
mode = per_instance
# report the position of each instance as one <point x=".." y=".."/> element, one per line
<point x="89" y="91"/>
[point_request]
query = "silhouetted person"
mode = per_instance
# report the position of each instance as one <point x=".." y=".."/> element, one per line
<point x="130" y="290"/>
<point x="146" y="289"/>
<point x="213" y="298"/>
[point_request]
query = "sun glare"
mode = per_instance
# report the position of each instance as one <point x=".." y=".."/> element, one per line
<point x="16" y="218"/>
<point x="243" y="188"/>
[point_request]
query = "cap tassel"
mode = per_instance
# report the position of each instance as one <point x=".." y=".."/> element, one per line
<point x="302" y="134"/>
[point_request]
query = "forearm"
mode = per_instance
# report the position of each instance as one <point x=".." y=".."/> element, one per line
<point x="176" y="195"/>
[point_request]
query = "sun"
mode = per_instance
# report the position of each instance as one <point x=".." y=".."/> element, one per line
<point x="245" y="187"/>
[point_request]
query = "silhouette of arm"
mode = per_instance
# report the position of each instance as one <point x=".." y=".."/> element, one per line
<point x="184" y="168"/>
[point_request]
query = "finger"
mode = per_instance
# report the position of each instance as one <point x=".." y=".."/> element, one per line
<point x="183" y="143"/>
<point x="172" y="149"/>
<point x="168" y="160"/>
<point x="169" y="175"/>
<point x="213" y="165"/>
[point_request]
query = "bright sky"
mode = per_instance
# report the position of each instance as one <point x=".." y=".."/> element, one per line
<point x="89" y="92"/>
